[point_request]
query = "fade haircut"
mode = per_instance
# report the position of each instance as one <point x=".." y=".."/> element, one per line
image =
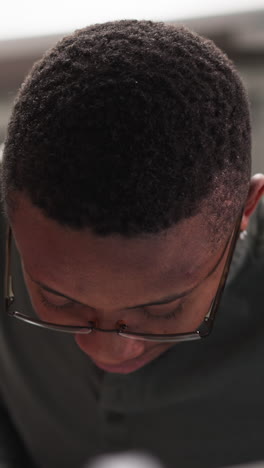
<point x="129" y="127"/>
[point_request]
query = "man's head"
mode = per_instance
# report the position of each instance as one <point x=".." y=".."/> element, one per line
<point x="128" y="157"/>
<point x="129" y="127"/>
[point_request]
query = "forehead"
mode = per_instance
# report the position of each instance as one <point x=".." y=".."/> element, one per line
<point x="180" y="254"/>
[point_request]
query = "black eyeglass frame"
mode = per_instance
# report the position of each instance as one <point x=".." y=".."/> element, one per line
<point x="202" y="331"/>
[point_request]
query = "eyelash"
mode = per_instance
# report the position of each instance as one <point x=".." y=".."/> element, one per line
<point x="148" y="315"/>
<point x="52" y="306"/>
<point x="168" y="316"/>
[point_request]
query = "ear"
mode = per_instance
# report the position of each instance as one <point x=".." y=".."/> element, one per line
<point x="256" y="191"/>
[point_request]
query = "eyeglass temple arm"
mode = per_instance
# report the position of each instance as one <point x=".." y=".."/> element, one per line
<point x="226" y="269"/>
<point x="9" y="294"/>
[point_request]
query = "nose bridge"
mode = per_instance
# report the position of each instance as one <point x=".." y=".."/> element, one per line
<point x="111" y="347"/>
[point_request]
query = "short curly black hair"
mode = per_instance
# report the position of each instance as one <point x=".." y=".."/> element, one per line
<point x="129" y="127"/>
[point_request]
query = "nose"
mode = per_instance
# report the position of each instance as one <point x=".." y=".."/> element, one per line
<point x="109" y="348"/>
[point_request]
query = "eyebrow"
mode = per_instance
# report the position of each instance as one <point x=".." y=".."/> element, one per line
<point x="164" y="300"/>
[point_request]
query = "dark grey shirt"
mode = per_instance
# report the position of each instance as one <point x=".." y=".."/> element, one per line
<point x="200" y="404"/>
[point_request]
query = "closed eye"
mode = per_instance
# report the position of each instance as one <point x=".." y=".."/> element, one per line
<point x="169" y="315"/>
<point x="70" y="304"/>
<point x="50" y="305"/>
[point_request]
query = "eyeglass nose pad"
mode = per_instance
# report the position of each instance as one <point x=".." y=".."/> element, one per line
<point x="121" y="325"/>
<point x="92" y="324"/>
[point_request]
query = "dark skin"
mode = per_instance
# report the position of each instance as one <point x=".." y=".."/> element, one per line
<point x="107" y="279"/>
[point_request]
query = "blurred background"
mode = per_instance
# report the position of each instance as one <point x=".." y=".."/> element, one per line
<point x="29" y="28"/>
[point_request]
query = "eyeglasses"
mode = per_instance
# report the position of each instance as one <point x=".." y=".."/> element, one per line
<point x="121" y="328"/>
